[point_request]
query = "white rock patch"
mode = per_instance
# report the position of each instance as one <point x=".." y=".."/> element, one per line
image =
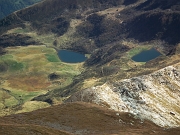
<point x="155" y="97"/>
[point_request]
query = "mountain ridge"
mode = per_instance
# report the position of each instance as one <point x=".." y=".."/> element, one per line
<point x="139" y="95"/>
<point x="80" y="118"/>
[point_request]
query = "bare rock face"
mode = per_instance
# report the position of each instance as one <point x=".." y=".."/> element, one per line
<point x="155" y="97"/>
<point x="101" y="95"/>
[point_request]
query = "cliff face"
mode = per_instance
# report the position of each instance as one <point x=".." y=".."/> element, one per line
<point x="154" y="97"/>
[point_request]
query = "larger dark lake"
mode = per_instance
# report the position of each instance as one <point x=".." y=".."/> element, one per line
<point x="71" y="57"/>
<point x="145" y="56"/>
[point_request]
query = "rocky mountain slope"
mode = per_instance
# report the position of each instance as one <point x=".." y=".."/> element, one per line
<point x="154" y="97"/>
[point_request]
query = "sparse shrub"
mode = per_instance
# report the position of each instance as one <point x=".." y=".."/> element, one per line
<point x="55" y="42"/>
<point x="60" y="26"/>
<point x="3" y="67"/>
<point x="53" y="76"/>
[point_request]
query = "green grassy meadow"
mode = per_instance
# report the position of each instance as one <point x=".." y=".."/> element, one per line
<point x="26" y="71"/>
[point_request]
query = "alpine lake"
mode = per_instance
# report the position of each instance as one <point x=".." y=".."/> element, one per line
<point x="147" y="55"/>
<point x="71" y="57"/>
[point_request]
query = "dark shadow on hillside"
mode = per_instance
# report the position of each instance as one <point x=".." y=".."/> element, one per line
<point x="155" y="26"/>
<point x="17" y="40"/>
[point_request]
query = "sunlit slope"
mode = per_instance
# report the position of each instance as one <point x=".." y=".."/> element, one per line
<point x="154" y="96"/>
<point x="26" y="73"/>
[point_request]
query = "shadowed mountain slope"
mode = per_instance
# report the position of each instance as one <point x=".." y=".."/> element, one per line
<point x="161" y="4"/>
<point x="153" y="20"/>
<point x="50" y="9"/>
<point x="154" y="26"/>
<point x="9" y="6"/>
<point x="133" y="22"/>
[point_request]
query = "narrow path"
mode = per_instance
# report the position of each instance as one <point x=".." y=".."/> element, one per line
<point x="9" y="92"/>
<point x="18" y="17"/>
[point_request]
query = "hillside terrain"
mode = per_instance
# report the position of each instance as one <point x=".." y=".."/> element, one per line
<point x="9" y="6"/>
<point x="80" y="119"/>
<point x="142" y="96"/>
<point x="110" y="33"/>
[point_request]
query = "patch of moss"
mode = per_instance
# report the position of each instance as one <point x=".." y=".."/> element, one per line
<point x="21" y="30"/>
<point x="52" y="57"/>
<point x="12" y="101"/>
<point x="5" y="57"/>
<point x="29" y="96"/>
<point x="24" y="96"/>
<point x="136" y="51"/>
<point x="7" y="60"/>
<point x="14" y="65"/>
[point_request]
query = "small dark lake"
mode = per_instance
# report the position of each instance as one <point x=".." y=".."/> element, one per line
<point x="145" y="56"/>
<point x="71" y="57"/>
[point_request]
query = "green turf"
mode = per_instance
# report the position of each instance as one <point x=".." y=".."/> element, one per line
<point x="15" y="66"/>
<point x="52" y="57"/>
<point x="21" y="30"/>
<point x="11" y="63"/>
<point x="26" y="76"/>
<point x="12" y="101"/>
<point x="6" y="57"/>
<point x="137" y="50"/>
<point x="24" y="96"/>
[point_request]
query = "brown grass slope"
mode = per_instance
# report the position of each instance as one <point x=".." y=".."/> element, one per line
<point x="19" y="129"/>
<point x="79" y="118"/>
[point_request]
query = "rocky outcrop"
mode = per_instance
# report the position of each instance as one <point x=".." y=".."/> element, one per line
<point x="101" y="95"/>
<point x="155" y="97"/>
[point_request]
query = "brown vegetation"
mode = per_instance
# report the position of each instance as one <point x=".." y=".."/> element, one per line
<point x="80" y="118"/>
<point x="29" y="83"/>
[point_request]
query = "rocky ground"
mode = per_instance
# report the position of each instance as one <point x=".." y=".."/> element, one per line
<point x="154" y="97"/>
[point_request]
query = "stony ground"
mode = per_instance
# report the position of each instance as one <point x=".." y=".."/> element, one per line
<point x="154" y="97"/>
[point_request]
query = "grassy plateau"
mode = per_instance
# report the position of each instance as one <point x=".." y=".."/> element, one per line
<point x="25" y="74"/>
